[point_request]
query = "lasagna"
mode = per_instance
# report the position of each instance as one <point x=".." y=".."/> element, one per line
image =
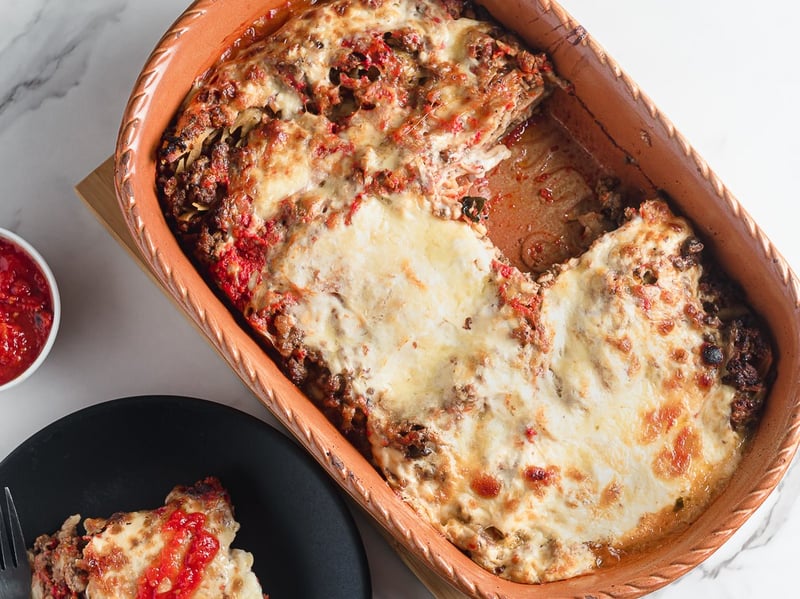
<point x="323" y="178"/>
<point x="181" y="549"/>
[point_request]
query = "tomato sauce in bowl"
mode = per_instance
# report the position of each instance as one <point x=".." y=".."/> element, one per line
<point x="29" y="309"/>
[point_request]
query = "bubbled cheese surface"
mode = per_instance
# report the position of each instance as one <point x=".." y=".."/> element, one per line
<point x="590" y="436"/>
<point x="129" y="544"/>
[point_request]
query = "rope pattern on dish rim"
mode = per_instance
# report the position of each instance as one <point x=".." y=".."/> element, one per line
<point x="352" y="483"/>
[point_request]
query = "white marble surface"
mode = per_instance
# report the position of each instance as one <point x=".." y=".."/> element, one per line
<point x="724" y="73"/>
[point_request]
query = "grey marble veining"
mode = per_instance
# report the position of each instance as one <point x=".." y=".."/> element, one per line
<point x="49" y="54"/>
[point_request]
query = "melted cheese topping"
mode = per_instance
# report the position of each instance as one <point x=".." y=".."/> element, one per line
<point x="430" y="118"/>
<point x="529" y="422"/>
<point x="611" y="427"/>
<point x="540" y="452"/>
<point x="357" y="308"/>
<point x="129" y="544"/>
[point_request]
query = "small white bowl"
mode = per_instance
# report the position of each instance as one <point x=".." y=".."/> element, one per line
<point x="55" y="300"/>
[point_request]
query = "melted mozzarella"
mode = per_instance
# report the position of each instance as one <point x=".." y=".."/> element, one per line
<point x="583" y="438"/>
<point x="412" y="325"/>
<point x="450" y="132"/>
<point x="119" y="555"/>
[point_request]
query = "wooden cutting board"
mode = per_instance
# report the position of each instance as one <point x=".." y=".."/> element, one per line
<point x="97" y="192"/>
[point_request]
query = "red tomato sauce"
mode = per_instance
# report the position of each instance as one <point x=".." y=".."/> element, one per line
<point x="26" y="311"/>
<point x="183" y="559"/>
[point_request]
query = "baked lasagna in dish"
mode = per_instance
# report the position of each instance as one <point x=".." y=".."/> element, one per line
<point x="180" y="550"/>
<point x="332" y="181"/>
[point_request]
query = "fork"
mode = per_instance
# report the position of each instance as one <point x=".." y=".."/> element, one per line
<point x="15" y="571"/>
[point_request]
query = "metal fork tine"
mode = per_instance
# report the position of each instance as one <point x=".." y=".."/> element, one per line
<point x="15" y="571"/>
<point x="17" y="540"/>
<point x="5" y="549"/>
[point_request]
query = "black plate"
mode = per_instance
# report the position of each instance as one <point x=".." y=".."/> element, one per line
<point x="127" y="454"/>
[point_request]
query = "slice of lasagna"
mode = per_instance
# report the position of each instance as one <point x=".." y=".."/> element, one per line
<point x="180" y="550"/>
<point x="321" y="179"/>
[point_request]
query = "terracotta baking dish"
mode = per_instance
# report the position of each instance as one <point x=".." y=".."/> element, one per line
<point x="615" y="121"/>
